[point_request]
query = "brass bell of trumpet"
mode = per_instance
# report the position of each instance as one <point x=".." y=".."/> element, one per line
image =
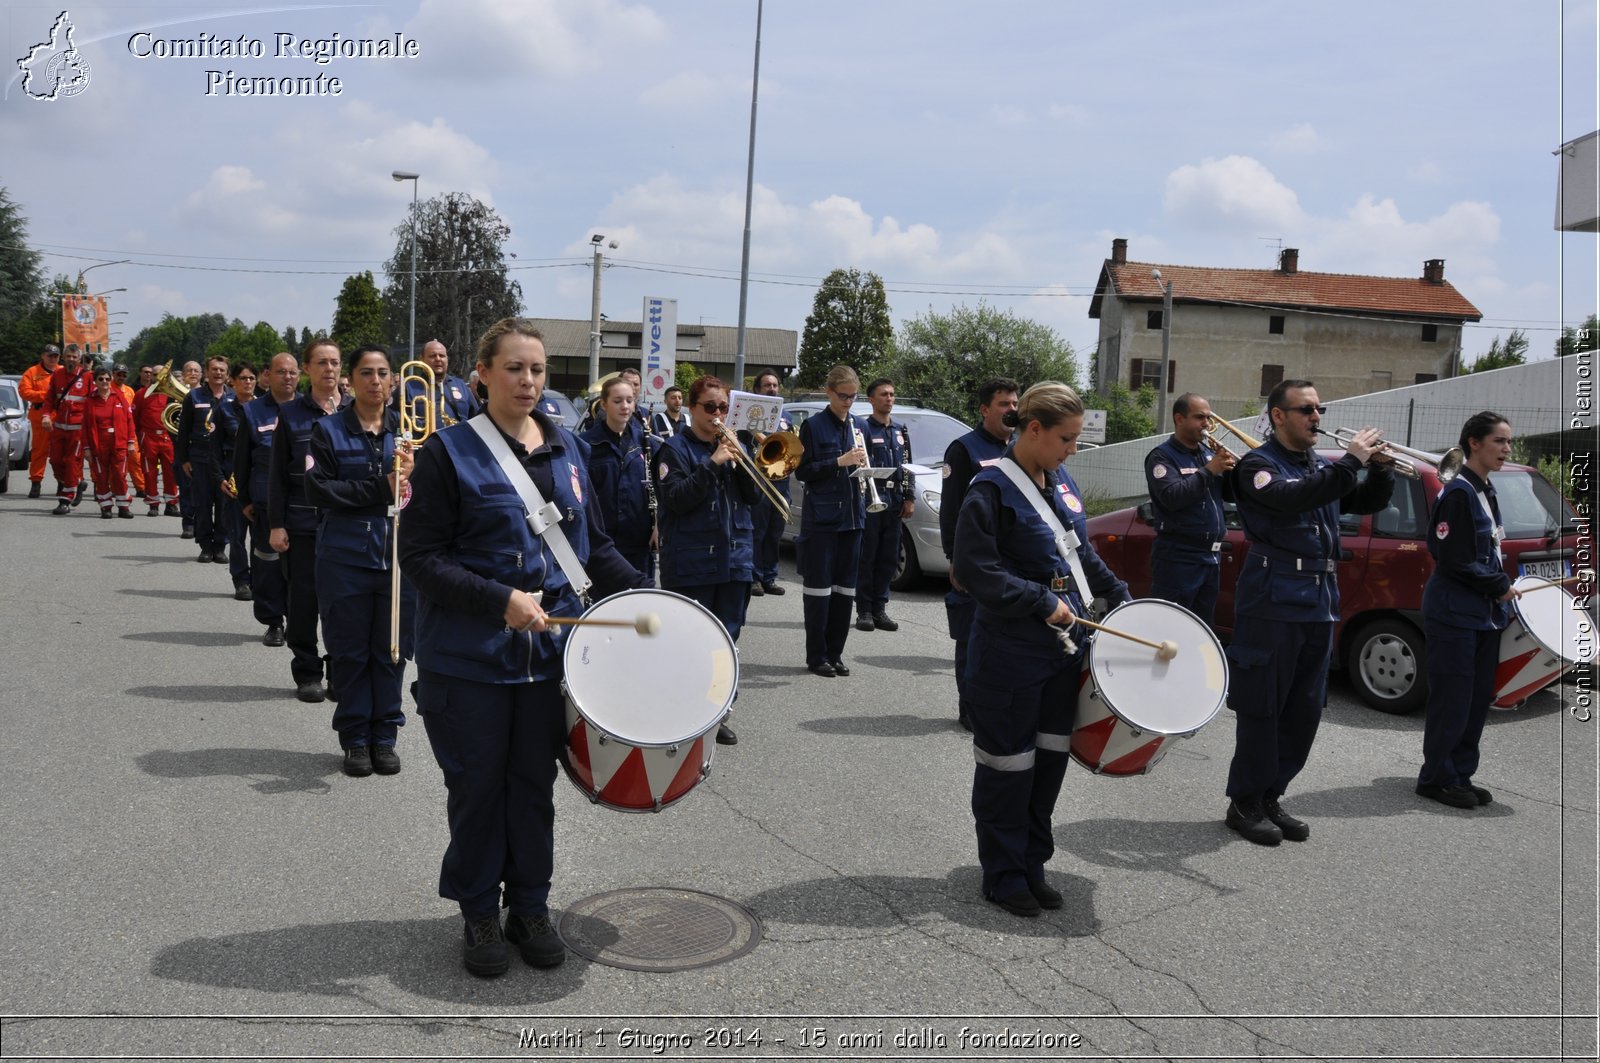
<point x="174" y="389"/>
<point x="1447" y="465"/>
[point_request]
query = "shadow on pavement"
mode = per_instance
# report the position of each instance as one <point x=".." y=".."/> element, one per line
<point x="920" y="664"/>
<point x="1358" y="714"/>
<point x="186" y="596"/>
<point x="891" y="900"/>
<point x="114" y="532"/>
<point x="282" y="770"/>
<point x="1139" y="845"/>
<point x="194" y="638"/>
<point x="1393" y="795"/>
<point x="899" y="725"/>
<point x="149" y="559"/>
<point x="419" y="956"/>
<point x="221" y="693"/>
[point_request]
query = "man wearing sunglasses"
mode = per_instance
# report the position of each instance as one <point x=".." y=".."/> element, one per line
<point x="1287" y="601"/>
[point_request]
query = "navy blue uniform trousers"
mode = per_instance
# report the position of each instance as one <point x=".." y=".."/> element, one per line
<point x="300" y="630"/>
<point x="1021" y="709"/>
<point x="269" y="584"/>
<point x="766" y="539"/>
<point x="1186" y="579"/>
<point x="362" y="673"/>
<point x="1461" y="667"/>
<point x="880" y="553"/>
<point x="829" y="574"/>
<point x="1278" y="683"/>
<point x="497" y="745"/>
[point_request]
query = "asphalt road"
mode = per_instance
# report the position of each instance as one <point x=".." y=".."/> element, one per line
<point x="186" y="872"/>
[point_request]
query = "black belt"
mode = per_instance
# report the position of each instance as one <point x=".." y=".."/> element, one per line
<point x="1302" y="564"/>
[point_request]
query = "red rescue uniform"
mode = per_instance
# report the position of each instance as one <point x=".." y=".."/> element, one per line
<point x="156" y="447"/>
<point x="69" y="391"/>
<point x="108" y="436"/>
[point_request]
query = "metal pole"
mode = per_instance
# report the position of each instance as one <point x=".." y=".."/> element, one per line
<point x="594" y="320"/>
<point x="749" y="191"/>
<point x="1161" y="417"/>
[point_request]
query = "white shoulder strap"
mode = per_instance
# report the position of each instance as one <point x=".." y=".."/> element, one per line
<point x="543" y="517"/>
<point x="1066" y="538"/>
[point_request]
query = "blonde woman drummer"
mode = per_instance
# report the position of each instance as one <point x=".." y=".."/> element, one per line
<point x="489" y="667"/>
<point x="1023" y="655"/>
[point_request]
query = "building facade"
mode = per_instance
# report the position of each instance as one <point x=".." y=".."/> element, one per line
<point x="1235" y="333"/>
<point x="710" y="347"/>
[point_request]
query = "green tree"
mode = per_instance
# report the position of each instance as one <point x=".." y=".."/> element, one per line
<point x="359" y="315"/>
<point x="1128" y="414"/>
<point x="27" y="311"/>
<point x="461" y="276"/>
<point x="1574" y="340"/>
<point x="685" y="374"/>
<point x="848" y="324"/>
<point x="1500" y="355"/>
<point x="941" y="359"/>
<point x="305" y="340"/>
<point x="289" y="342"/>
<point x="254" y="346"/>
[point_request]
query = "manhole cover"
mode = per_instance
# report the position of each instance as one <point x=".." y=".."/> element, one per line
<point x="659" y="929"/>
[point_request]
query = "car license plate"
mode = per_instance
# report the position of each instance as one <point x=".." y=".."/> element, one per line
<point x="1553" y="569"/>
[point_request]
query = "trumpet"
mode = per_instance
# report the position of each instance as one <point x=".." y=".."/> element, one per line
<point x="1448" y="464"/>
<point x="869" y="487"/>
<point x="750" y="470"/>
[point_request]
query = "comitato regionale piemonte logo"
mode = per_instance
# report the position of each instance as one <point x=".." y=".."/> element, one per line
<point x="55" y="69"/>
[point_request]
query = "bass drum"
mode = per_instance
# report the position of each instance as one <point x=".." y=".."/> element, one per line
<point x="1131" y="703"/>
<point x="640" y="707"/>
<point x="1547" y="637"/>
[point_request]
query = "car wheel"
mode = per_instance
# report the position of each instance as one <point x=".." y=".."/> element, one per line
<point x="5" y="477"/>
<point x="1388" y="663"/>
<point x="907" y="571"/>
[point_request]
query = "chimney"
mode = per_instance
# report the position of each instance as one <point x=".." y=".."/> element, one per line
<point x="1289" y="260"/>
<point x="1119" y="251"/>
<point x="1433" y="271"/>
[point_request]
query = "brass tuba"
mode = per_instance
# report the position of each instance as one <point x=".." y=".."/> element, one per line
<point x="174" y="389"/>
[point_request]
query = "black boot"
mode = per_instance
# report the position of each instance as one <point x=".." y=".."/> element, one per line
<point x="33" y="489"/>
<point x="1249" y="820"/>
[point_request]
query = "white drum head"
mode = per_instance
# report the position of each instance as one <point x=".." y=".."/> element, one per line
<point x="1173" y="697"/>
<point x="1554" y="621"/>
<point x="652" y="690"/>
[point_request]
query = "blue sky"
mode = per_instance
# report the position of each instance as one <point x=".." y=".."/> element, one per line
<point x="962" y="151"/>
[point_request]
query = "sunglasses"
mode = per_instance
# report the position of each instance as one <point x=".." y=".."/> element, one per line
<point x="714" y="407"/>
<point x="1306" y="410"/>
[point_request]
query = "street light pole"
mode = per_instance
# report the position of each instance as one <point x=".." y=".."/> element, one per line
<point x="411" y="340"/>
<point x="594" y="309"/>
<point x="749" y="191"/>
<point x="81" y="287"/>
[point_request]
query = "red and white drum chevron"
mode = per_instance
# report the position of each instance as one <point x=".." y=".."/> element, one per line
<point x="641" y="708"/>
<point x="1547" y="637"/>
<point x="1131" y="703"/>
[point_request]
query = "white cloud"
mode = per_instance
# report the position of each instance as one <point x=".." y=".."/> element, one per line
<point x="1008" y="114"/>
<point x="556" y="38"/>
<point x="1231" y="193"/>
<point x="1071" y="113"/>
<point x="1302" y="139"/>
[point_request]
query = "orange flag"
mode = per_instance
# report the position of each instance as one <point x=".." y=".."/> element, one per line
<point x="83" y="321"/>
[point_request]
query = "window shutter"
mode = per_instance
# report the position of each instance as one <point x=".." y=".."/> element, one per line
<point x="1135" y="374"/>
<point x="1172" y="376"/>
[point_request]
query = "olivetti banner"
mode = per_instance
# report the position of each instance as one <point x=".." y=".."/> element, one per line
<point x="659" y="338"/>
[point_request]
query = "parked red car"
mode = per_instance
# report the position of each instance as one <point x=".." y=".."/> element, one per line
<point x="1383" y="564"/>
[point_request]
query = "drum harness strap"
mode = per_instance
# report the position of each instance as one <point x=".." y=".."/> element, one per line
<point x="1066" y="538"/>
<point x="543" y="517"/>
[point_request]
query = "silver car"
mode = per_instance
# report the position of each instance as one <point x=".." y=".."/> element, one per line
<point x="932" y="432"/>
<point x="18" y="438"/>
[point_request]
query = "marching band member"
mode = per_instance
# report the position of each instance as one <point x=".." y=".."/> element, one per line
<point x="619" y="465"/>
<point x="252" y="459"/>
<point x="225" y="421"/>
<point x="1023" y="659"/>
<point x="489" y="667"/>
<point x="1464" y="610"/>
<point x="356" y="471"/>
<point x="155" y="447"/>
<point x="888" y="447"/>
<point x="1287" y="602"/>
<point x="193" y="445"/>
<point x="108" y="440"/>
<point x="669" y="422"/>
<point x="192" y="376"/>
<point x="997" y="398"/>
<point x="768" y="532"/>
<point x="455" y="400"/>
<point x="1187" y="484"/>
<point x="293" y="519"/>
<point x="706" y="526"/>
<point x="831" y="519"/>
<point x="70" y="386"/>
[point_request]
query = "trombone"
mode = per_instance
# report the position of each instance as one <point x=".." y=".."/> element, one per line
<point x="1250" y="442"/>
<point x="419" y="419"/>
<point x="750" y="470"/>
<point x="1448" y="464"/>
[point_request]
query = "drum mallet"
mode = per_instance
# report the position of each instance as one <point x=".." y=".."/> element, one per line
<point x="1165" y="650"/>
<point x="644" y="623"/>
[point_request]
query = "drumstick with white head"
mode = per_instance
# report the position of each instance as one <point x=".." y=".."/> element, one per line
<point x="644" y="623"/>
<point x="1583" y="575"/>
<point x="1165" y="650"/>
